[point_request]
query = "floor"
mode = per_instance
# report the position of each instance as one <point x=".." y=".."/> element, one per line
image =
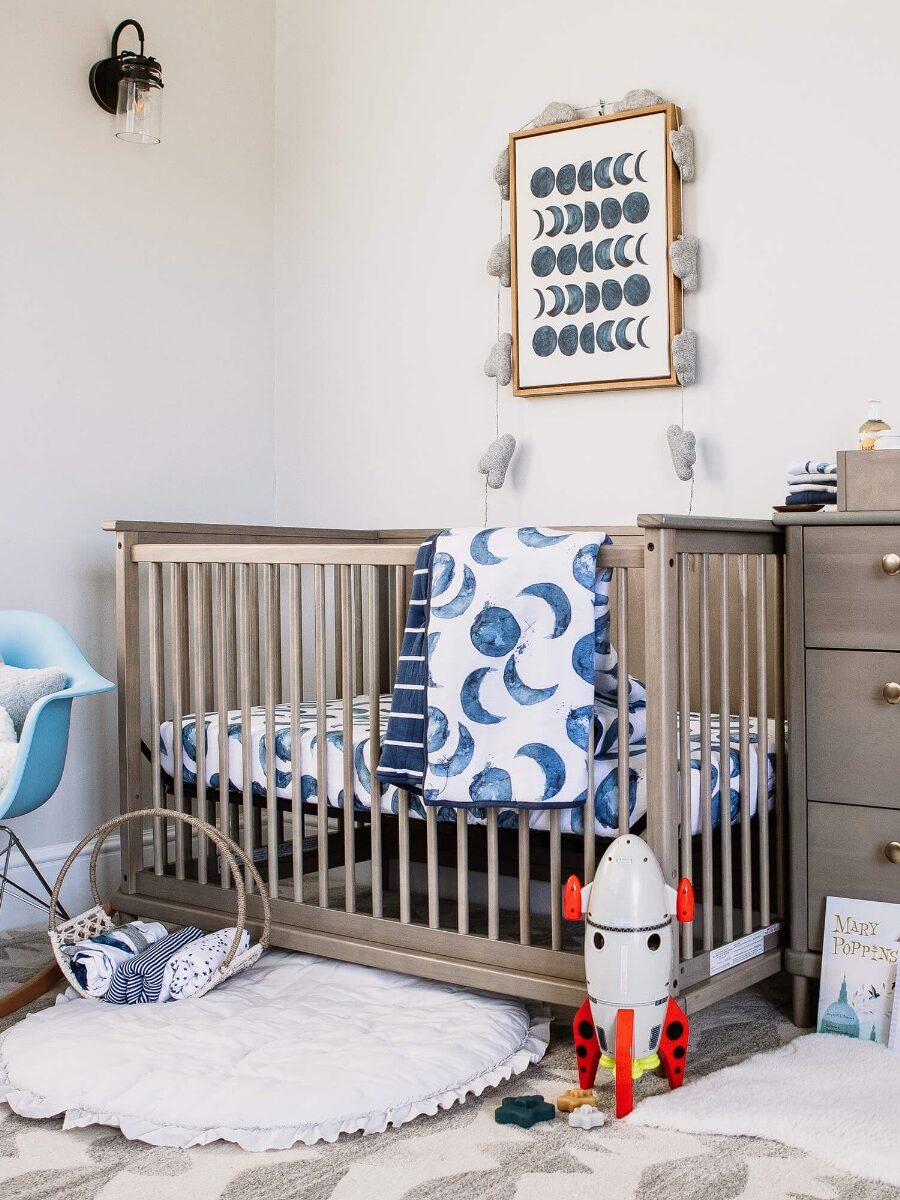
<point x="462" y="1153"/>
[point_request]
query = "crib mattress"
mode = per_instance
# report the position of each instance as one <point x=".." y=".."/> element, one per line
<point x="606" y="801"/>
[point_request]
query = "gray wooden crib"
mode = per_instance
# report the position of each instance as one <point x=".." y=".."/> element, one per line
<point x="301" y="627"/>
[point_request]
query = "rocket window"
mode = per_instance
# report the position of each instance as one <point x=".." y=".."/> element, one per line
<point x="598" y="940"/>
<point x="653" y="941"/>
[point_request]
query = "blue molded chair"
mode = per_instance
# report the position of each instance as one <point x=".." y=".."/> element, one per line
<point x="29" y="639"/>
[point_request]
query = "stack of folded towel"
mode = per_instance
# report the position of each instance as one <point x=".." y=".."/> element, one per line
<point x="143" y="963"/>
<point x="812" y="483"/>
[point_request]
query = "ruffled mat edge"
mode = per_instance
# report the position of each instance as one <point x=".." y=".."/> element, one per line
<point x="33" y="1107"/>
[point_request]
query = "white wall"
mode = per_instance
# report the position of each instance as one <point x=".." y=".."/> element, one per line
<point x="390" y="118"/>
<point x="136" y="320"/>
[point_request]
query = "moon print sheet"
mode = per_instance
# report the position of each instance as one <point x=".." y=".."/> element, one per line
<point x="512" y="639"/>
<point x="606" y="796"/>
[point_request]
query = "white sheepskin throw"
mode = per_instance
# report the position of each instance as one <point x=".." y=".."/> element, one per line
<point x="835" y="1097"/>
<point x="9" y="748"/>
<point x="20" y="688"/>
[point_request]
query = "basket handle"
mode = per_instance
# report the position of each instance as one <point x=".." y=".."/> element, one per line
<point x="230" y="850"/>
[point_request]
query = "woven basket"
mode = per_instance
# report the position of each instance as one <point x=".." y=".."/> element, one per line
<point x="97" y="919"/>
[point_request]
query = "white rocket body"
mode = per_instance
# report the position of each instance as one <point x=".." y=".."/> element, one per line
<point x="628" y="944"/>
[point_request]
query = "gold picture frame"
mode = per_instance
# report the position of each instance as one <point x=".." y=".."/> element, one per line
<point x="598" y="356"/>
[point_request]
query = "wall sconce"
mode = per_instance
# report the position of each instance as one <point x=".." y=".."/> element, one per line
<point x="130" y="85"/>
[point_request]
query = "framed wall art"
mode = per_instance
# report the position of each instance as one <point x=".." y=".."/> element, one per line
<point x="594" y="206"/>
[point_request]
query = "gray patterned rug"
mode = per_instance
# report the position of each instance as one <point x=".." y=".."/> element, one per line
<point x="462" y="1153"/>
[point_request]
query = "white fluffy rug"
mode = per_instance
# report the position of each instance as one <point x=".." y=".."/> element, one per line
<point x="834" y="1097"/>
<point x="299" y="1049"/>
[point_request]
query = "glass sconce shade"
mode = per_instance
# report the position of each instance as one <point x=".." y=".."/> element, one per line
<point x="139" y="108"/>
<point x="130" y="85"/>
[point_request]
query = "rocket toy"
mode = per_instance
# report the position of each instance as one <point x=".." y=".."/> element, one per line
<point x="630" y="1022"/>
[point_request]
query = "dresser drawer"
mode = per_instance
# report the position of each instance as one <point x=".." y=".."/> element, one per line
<point x="846" y="858"/>
<point x="850" y="599"/>
<point x="852" y="733"/>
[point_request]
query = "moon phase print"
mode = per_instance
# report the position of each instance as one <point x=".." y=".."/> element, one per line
<point x="594" y="205"/>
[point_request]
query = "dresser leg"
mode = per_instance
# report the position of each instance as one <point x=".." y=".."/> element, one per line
<point x="803" y="996"/>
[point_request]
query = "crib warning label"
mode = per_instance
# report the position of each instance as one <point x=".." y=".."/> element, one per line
<point x="751" y="946"/>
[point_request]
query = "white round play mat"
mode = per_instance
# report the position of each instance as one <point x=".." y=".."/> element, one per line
<point x="300" y="1049"/>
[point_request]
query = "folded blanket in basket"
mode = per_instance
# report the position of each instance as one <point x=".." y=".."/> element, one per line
<point x="95" y="961"/>
<point x="139" y="980"/>
<point x="192" y="967"/>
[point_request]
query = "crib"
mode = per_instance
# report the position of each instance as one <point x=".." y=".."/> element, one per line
<point x="296" y="632"/>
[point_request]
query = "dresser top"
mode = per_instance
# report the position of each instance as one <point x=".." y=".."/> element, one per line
<point x="837" y="518"/>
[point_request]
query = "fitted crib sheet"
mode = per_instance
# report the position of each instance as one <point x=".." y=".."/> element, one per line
<point x="606" y="801"/>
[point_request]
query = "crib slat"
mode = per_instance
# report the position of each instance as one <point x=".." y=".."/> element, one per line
<point x="359" y="674"/>
<point x="399" y="624"/>
<point x="725" y="760"/>
<point x="276" y="656"/>
<point x="684" y="732"/>
<point x="295" y="680"/>
<point x="375" y="739"/>
<point x="347" y="674"/>
<point x="271" y="636"/>
<point x="321" y="744"/>
<point x="224" y="611"/>
<point x="178" y="645"/>
<point x="555" y="880"/>
<point x="403" y="837"/>
<point x="622" y="695"/>
<point x="462" y="872"/>
<point x="744" y="752"/>
<point x="778" y="715"/>
<point x="524" y="839"/>
<point x="762" y="741"/>
<point x="246" y="582"/>
<point x="493" y="872"/>
<point x="202" y="649"/>
<point x="588" y="832"/>
<point x="253" y="594"/>
<point x="706" y="758"/>
<point x="337" y="579"/>
<point x="231" y="629"/>
<point x="434" y="900"/>
<point x="157" y="664"/>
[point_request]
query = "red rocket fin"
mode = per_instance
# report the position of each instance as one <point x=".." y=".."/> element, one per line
<point x="587" y="1048"/>
<point x="673" y="1044"/>
<point x="624" y="1047"/>
<point x="684" y="905"/>
<point x="572" y="900"/>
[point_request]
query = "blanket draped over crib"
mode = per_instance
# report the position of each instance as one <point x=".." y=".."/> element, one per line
<point x="506" y="660"/>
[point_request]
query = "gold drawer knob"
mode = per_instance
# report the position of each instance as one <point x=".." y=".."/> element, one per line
<point x="891" y="693"/>
<point x="892" y="852"/>
<point x="890" y="564"/>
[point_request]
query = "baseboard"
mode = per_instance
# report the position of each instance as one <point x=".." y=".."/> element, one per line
<point x="76" y="891"/>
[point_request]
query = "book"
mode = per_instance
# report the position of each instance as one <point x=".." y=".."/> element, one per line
<point x="860" y="949"/>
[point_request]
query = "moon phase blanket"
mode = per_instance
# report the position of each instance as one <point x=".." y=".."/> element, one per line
<point x="517" y="631"/>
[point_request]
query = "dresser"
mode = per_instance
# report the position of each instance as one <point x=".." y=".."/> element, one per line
<point x="842" y="602"/>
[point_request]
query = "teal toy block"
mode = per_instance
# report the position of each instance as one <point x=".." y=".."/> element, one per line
<point x="524" y="1111"/>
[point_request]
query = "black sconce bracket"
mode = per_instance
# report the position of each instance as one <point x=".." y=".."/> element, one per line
<point x="105" y="75"/>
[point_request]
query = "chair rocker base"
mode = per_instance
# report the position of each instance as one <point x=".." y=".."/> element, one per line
<point x="13" y="842"/>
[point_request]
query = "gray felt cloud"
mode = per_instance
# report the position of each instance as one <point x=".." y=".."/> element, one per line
<point x="636" y="98"/>
<point x="498" y="263"/>
<point x="683" y="448"/>
<point x="556" y="113"/>
<point x="684" y="355"/>
<point x="498" y="364"/>
<point x="495" y="460"/>
<point x="685" y="255"/>
<point x="682" y="143"/>
<point x="501" y="173"/>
